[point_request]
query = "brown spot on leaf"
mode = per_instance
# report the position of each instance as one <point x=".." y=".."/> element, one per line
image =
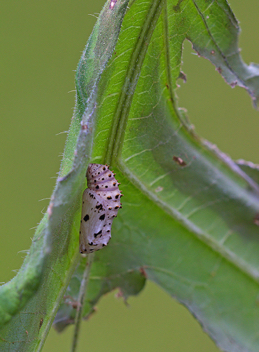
<point x="41" y="322"/>
<point x="143" y="271"/>
<point x="179" y="161"/>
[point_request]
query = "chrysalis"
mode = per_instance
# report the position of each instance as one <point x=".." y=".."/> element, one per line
<point x="101" y="202"/>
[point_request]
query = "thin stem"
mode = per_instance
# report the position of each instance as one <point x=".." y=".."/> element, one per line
<point x="81" y="299"/>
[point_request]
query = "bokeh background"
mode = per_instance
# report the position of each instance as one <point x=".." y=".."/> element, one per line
<point x="41" y="45"/>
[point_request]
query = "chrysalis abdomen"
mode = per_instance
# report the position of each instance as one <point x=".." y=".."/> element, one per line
<point x="101" y="202"/>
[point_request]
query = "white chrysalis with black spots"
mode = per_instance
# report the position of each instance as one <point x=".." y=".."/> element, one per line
<point x="101" y="202"/>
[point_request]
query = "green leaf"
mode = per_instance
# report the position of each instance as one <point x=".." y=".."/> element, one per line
<point x="188" y="216"/>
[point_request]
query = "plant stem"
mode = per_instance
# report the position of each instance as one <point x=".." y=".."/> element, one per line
<point x="81" y="299"/>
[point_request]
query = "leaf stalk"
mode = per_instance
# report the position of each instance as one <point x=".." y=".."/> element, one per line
<point x="80" y="301"/>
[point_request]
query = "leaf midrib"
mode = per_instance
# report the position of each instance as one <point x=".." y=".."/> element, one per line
<point x="123" y="107"/>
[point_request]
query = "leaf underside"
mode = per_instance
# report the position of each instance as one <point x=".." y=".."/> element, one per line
<point x="189" y="216"/>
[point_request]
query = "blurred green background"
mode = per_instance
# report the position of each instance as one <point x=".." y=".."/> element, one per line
<point x="41" y="44"/>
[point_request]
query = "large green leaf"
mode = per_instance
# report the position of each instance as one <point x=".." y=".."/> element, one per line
<point x="189" y="213"/>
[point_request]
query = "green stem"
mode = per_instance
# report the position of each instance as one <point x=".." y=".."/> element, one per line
<point x="81" y="299"/>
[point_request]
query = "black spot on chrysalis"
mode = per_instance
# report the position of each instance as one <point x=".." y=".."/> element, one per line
<point x="97" y="234"/>
<point x="86" y="217"/>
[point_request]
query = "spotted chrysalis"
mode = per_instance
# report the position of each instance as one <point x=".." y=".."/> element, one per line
<point x="101" y="202"/>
